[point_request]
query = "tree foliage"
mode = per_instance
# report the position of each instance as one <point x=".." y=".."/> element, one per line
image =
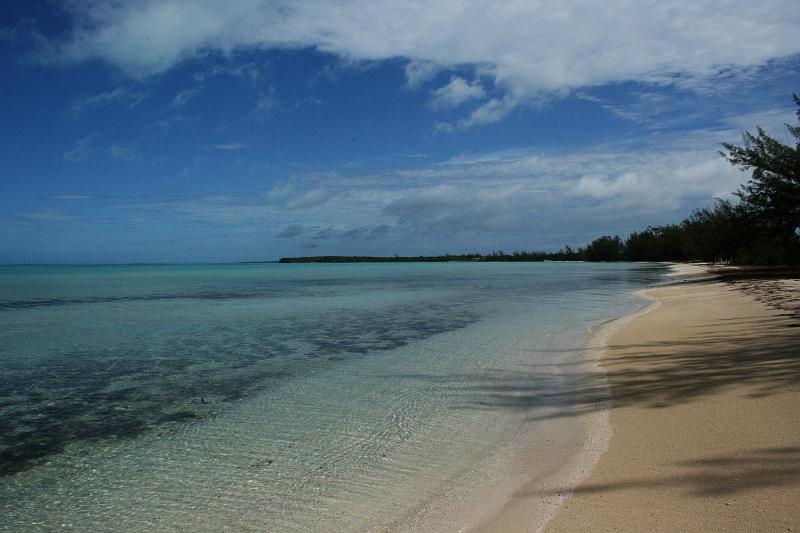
<point x="772" y="195"/>
<point x="762" y="227"/>
<point x="606" y="248"/>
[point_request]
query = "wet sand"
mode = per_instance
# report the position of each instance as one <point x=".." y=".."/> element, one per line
<point x="702" y="432"/>
<point x="705" y="419"/>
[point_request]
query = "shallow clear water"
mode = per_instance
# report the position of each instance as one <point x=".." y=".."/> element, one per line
<point x="286" y="397"/>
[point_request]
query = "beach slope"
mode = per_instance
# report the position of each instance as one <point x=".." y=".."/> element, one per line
<point x="705" y="419"/>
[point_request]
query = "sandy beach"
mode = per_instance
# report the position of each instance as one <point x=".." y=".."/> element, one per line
<point x="702" y="429"/>
<point x="704" y="420"/>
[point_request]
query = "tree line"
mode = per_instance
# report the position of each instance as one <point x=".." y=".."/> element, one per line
<point x="760" y="227"/>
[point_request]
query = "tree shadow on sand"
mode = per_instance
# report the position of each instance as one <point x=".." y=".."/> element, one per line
<point x="676" y="372"/>
<point x="762" y="355"/>
<point x="719" y="475"/>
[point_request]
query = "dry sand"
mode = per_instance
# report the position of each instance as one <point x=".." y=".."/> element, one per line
<point x="704" y="422"/>
<point x="705" y="417"/>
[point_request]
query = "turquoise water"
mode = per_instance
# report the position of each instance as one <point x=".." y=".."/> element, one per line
<point x="285" y="397"/>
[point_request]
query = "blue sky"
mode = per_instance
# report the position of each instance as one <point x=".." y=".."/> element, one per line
<point x="179" y="131"/>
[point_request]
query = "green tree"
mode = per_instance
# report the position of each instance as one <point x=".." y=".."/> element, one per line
<point x="718" y="233"/>
<point x="662" y="243"/>
<point x="772" y="195"/>
<point x="606" y="248"/>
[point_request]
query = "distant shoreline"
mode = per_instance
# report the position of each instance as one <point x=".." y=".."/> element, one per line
<point x="527" y="258"/>
<point x="379" y="259"/>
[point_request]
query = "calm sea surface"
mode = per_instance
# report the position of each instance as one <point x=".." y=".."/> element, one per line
<point x="281" y="397"/>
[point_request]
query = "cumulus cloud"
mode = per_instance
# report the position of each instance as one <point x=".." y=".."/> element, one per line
<point x="514" y="198"/>
<point x="526" y="49"/>
<point x="670" y="179"/>
<point x="419" y="72"/>
<point x="493" y="110"/>
<point x="455" y="93"/>
<point x="540" y="193"/>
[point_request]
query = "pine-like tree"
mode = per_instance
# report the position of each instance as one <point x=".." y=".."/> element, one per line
<point x="772" y="195"/>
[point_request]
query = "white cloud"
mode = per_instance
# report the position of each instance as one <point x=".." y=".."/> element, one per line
<point x="494" y="110"/>
<point x="231" y="146"/>
<point x="514" y="198"/>
<point x="455" y="93"/>
<point x="522" y="196"/>
<point x="527" y="49"/>
<point x="465" y="207"/>
<point x="773" y="121"/>
<point x="670" y="179"/>
<point x="605" y="189"/>
<point x="419" y="72"/>
<point x="122" y="95"/>
<point x="310" y="198"/>
<point x="247" y="72"/>
<point x="298" y="196"/>
<point x="183" y="97"/>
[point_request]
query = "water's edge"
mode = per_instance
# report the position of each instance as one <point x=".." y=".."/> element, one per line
<point x="532" y="504"/>
<point x="470" y="372"/>
<point x="598" y="427"/>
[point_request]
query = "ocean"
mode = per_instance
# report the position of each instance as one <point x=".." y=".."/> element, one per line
<point x="287" y="397"/>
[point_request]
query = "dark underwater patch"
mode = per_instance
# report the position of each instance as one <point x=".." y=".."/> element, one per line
<point x="123" y="393"/>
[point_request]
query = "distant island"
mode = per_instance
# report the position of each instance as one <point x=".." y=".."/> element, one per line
<point x="372" y="259"/>
<point x="494" y="256"/>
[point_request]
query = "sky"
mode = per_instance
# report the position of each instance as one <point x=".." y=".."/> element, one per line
<point x="208" y="131"/>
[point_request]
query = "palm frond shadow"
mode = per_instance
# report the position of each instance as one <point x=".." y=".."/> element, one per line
<point x="719" y="475"/>
<point x="675" y="373"/>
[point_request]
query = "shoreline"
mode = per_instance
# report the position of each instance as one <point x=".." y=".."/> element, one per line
<point x="513" y="504"/>
<point x="596" y="488"/>
<point x="540" y="500"/>
<point x="702" y="429"/>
